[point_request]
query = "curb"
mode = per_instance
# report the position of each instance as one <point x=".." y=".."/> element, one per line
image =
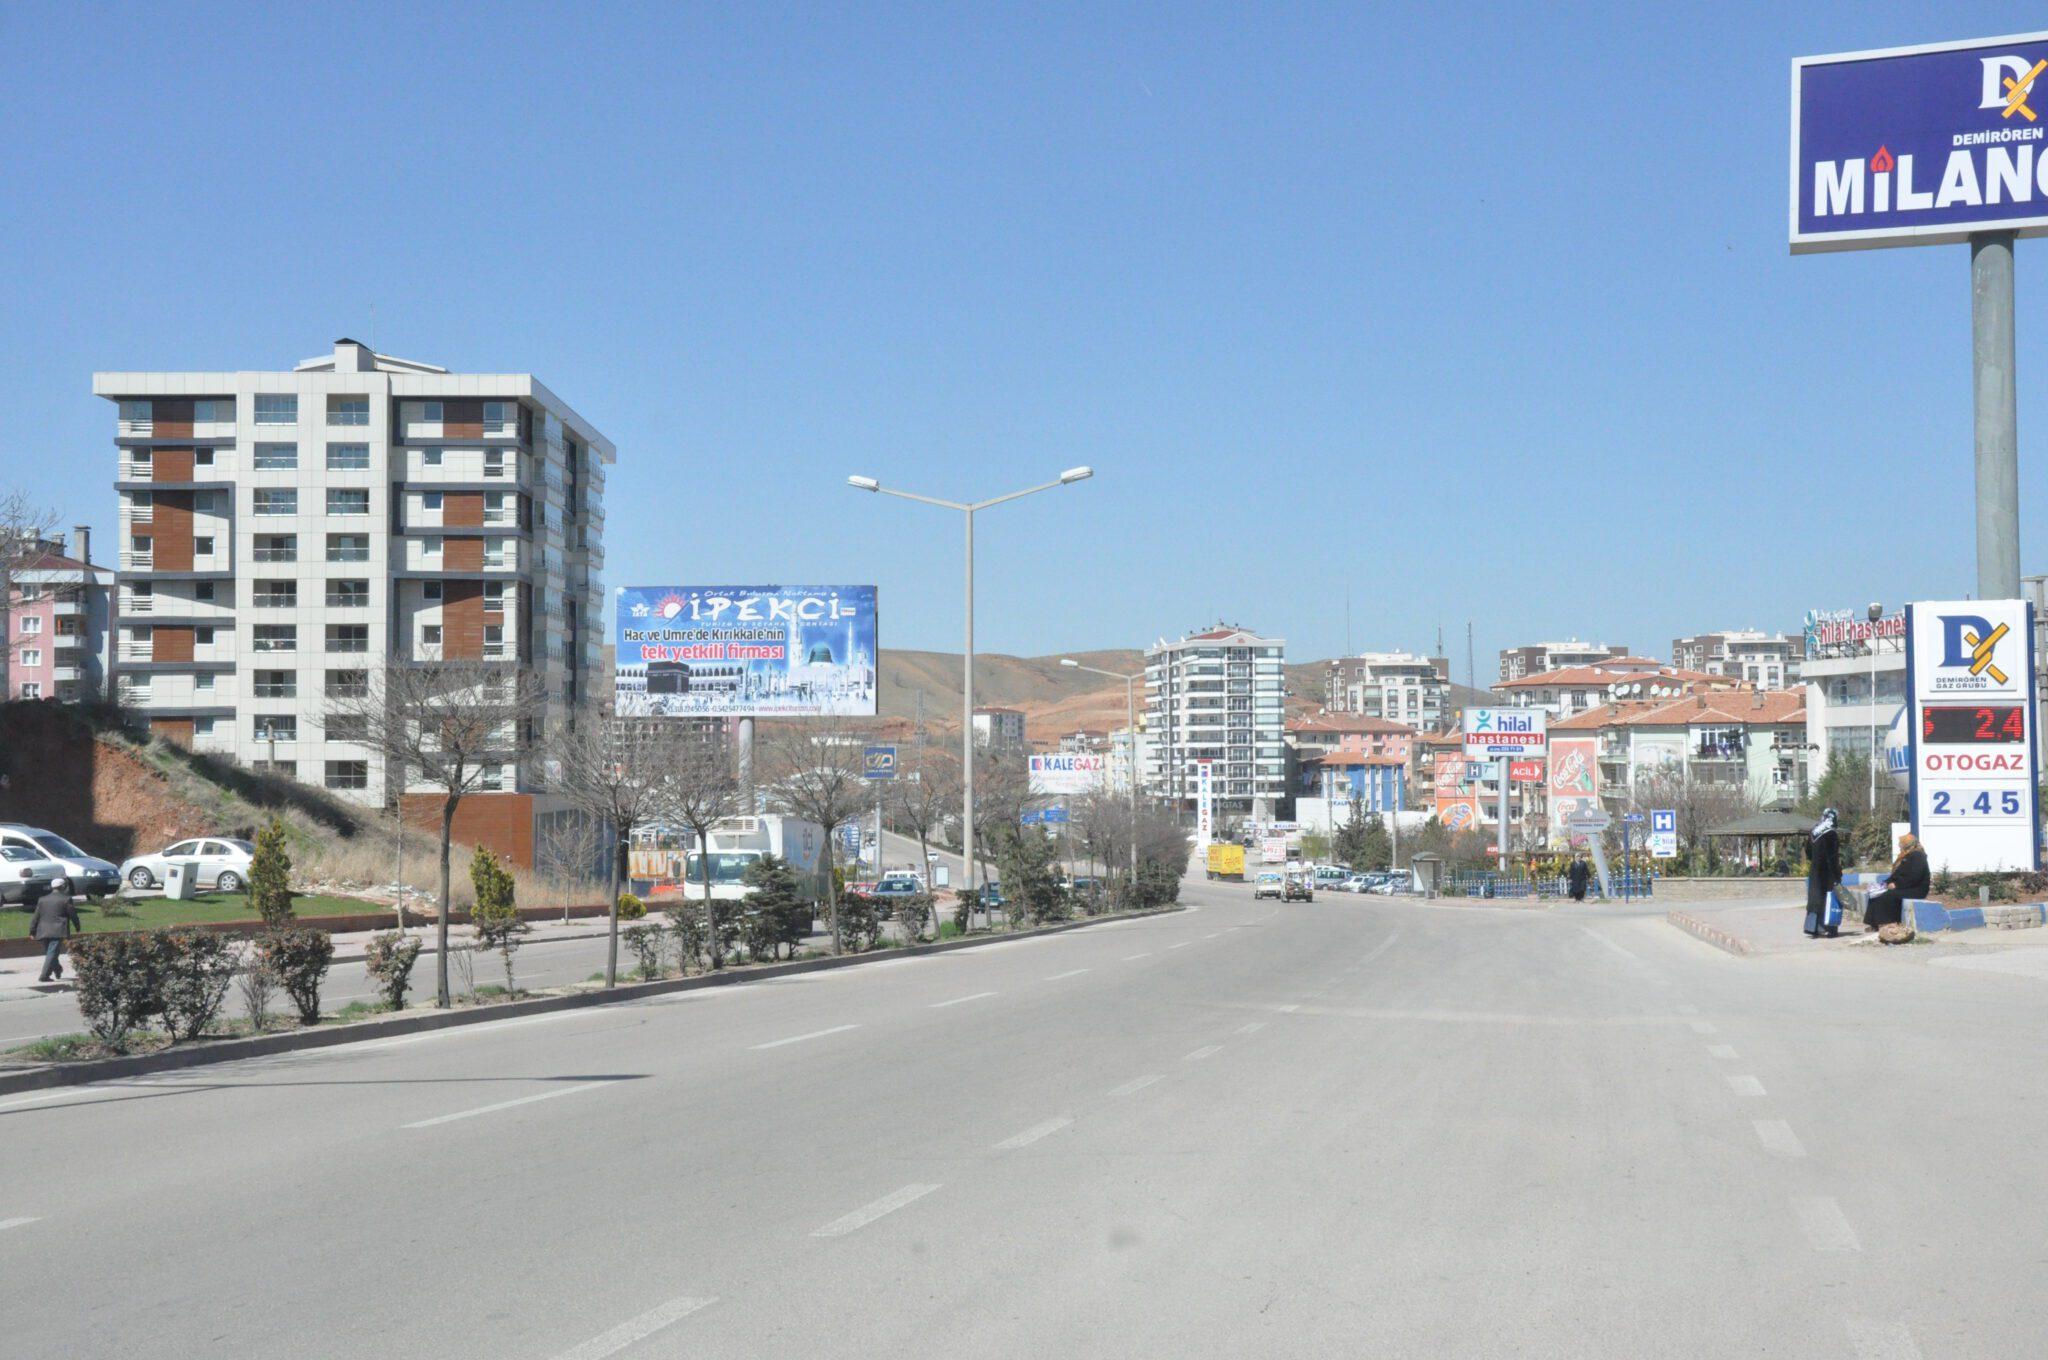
<point x="1931" y="918"/>
<point x="1713" y="935"/>
<point x="255" y="1046"/>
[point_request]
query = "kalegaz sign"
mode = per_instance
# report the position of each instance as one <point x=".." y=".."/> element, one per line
<point x="1920" y="145"/>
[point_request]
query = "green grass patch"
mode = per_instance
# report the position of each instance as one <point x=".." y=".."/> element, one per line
<point x="145" y="913"/>
<point x="86" y="1047"/>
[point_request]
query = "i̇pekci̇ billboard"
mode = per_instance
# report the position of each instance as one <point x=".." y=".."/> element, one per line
<point x="744" y="651"/>
<point x="1920" y="145"/>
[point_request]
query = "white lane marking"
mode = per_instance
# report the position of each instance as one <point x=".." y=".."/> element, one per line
<point x="1203" y="1052"/>
<point x="635" y="1329"/>
<point x="1237" y="927"/>
<point x="1825" y="1225"/>
<point x="1612" y="945"/>
<point x="506" y="1105"/>
<point x="58" y="1095"/>
<point x="1881" y="1340"/>
<point x="1033" y="1134"/>
<point x="1745" y="1086"/>
<point x="958" y="1000"/>
<point x="868" y="1213"/>
<point x="1703" y="1027"/>
<point x="1253" y="1028"/>
<point x="1071" y="972"/>
<point x="1146" y="955"/>
<point x="1182" y="945"/>
<point x="1287" y="1010"/>
<point x="1382" y="947"/>
<point x="1133" y="1087"/>
<point x="1217" y="936"/>
<point x="1725" y="1052"/>
<point x="799" y="1038"/>
<point x="6" y="1223"/>
<point x="1777" y="1137"/>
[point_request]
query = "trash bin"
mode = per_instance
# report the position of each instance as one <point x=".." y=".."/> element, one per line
<point x="181" y="879"/>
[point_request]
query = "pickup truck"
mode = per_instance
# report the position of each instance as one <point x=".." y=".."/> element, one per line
<point x="1299" y="888"/>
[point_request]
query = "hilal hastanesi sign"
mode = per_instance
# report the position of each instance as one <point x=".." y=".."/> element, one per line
<point x="1920" y="145"/>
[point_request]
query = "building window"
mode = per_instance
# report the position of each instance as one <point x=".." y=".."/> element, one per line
<point x="31" y="625"/>
<point x="348" y="547"/>
<point x="202" y="727"/>
<point x="431" y="500"/>
<point x="203" y="458"/>
<point x="492" y="778"/>
<point x="494" y="594"/>
<point x="494" y="462"/>
<point x="277" y="595"/>
<point x="348" y="684"/>
<point x="277" y="457"/>
<point x="276" y="727"/>
<point x="497" y="417"/>
<point x="277" y="500"/>
<point x="31" y="689"/>
<point x="203" y="682"/>
<point x="430" y="635"/>
<point x="140" y="544"/>
<point x="348" y="457"/>
<point x="283" y="769"/>
<point x="277" y="547"/>
<point x="430" y="457"/>
<point x="30" y="656"/>
<point x="202" y="637"/>
<point x="430" y="411"/>
<point x="348" y="727"/>
<point x="274" y="637"/>
<point x="348" y="500"/>
<point x="134" y="413"/>
<point x="214" y="411"/>
<point x="277" y="684"/>
<point x="348" y="637"/>
<point x="203" y="591"/>
<point x="277" y="408"/>
<point x="348" y="594"/>
<point x="348" y="774"/>
<point x="348" y="410"/>
<point x="430" y="547"/>
<point x="202" y="545"/>
<point x="494" y="640"/>
<point x="431" y="590"/>
<point x="141" y="504"/>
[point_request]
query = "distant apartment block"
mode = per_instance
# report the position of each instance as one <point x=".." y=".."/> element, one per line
<point x="284" y="535"/>
<point x="999" y="729"/>
<point x="59" y="615"/>
<point x="1397" y="686"/>
<point x="1765" y="660"/>
<point x="1219" y="696"/>
<point x="1539" y="657"/>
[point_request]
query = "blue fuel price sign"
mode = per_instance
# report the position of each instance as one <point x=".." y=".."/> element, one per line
<point x="1975" y="771"/>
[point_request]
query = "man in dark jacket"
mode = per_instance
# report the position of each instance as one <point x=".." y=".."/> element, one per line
<point x="54" y="920"/>
<point x="1577" y="877"/>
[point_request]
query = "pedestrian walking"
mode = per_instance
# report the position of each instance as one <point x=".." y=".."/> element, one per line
<point x="1823" y="876"/>
<point x="1577" y="877"/>
<point x="54" y="920"/>
<point x="1908" y="878"/>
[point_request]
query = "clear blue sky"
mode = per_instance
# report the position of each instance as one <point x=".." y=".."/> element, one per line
<point x="1479" y="316"/>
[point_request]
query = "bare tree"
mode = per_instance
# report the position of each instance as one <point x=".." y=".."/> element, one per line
<point x="1001" y="789"/>
<point x="700" y="789"/>
<point x="614" y="771"/>
<point x="923" y="797"/>
<point x="816" y="771"/>
<point x="447" y="725"/>
<point x="25" y="529"/>
<point x="1701" y="804"/>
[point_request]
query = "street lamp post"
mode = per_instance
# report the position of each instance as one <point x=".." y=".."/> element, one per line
<point x="967" y="509"/>
<point x="1875" y="612"/>
<point x="1131" y="731"/>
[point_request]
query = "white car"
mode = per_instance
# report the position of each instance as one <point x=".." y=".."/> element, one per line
<point x="87" y="875"/>
<point x="1268" y="885"/>
<point x="223" y="864"/>
<point x="25" y="874"/>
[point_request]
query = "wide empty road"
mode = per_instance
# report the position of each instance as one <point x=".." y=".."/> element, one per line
<point x="1354" y="1128"/>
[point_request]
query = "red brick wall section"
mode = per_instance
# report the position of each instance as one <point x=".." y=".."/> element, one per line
<point x="171" y="465"/>
<point x="462" y="554"/>
<point x="463" y="509"/>
<point x="462" y="420"/>
<point x="462" y="620"/>
<point x="170" y="418"/>
<point x="172" y="729"/>
<point x="500" y="822"/>
<point x="171" y="531"/>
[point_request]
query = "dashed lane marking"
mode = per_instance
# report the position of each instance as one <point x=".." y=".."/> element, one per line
<point x="1824" y="1223"/>
<point x="1209" y="1051"/>
<point x="1745" y="1086"/>
<point x="1062" y="977"/>
<point x="1253" y="1028"/>
<point x="1129" y="957"/>
<point x="636" y="1329"/>
<point x="556" y="1094"/>
<point x="959" y="1000"/>
<point x="6" y="1223"/>
<point x="800" y="1038"/>
<point x="1778" y="1139"/>
<point x="1137" y="1085"/>
<point x="1033" y="1134"/>
<point x="1703" y="1027"/>
<point x="1725" y="1052"/>
<point x="868" y="1213"/>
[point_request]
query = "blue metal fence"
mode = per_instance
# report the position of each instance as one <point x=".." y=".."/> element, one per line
<point x="1486" y="883"/>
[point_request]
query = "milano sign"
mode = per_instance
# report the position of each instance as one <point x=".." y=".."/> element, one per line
<point x="1920" y="145"/>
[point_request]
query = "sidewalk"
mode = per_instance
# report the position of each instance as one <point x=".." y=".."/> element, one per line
<point x="1778" y="927"/>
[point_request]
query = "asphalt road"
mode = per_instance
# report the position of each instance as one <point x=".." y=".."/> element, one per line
<point x="1360" y="1127"/>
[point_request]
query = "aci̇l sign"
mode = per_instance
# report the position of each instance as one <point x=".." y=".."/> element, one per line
<point x="1920" y="145"/>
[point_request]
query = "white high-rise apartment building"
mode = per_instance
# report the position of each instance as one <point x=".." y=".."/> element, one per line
<point x="1217" y="695"/>
<point x="1766" y="660"/>
<point x="1398" y="686"/>
<point x="286" y="534"/>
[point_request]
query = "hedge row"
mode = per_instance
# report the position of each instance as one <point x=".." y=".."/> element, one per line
<point x="181" y="976"/>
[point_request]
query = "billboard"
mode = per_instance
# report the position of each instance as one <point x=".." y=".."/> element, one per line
<point x="744" y="651"/>
<point x="1205" y="803"/>
<point x="1975" y="759"/>
<point x="1512" y="732"/>
<point x="1919" y="145"/>
<point x="1068" y="772"/>
<point x="1572" y="783"/>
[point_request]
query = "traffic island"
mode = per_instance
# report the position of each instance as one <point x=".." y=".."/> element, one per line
<point x="333" y="1031"/>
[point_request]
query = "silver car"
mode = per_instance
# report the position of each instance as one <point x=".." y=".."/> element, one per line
<point x="25" y="874"/>
<point x="223" y="864"/>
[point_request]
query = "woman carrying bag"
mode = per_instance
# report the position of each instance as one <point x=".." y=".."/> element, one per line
<point x="1823" y="874"/>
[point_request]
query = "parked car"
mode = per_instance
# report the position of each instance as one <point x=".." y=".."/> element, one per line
<point x="25" y="874"/>
<point x="1268" y="885"/>
<point x="223" y="864"/>
<point x="89" y="875"/>
<point x="898" y="884"/>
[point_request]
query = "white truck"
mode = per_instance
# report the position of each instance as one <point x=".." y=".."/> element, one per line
<point x="666" y="859"/>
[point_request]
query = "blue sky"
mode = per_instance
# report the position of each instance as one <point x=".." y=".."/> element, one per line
<point x="1484" y="315"/>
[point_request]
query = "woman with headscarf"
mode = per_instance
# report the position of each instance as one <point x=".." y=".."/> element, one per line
<point x="1823" y="874"/>
<point x="1908" y="878"/>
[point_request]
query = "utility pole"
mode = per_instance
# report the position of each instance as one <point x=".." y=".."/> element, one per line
<point x="1471" y="667"/>
<point x="1997" y="410"/>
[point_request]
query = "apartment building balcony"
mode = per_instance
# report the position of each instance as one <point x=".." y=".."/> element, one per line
<point x="67" y="609"/>
<point x="63" y="674"/>
<point x="138" y="561"/>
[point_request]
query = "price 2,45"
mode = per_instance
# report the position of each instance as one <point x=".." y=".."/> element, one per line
<point x="1948" y="804"/>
